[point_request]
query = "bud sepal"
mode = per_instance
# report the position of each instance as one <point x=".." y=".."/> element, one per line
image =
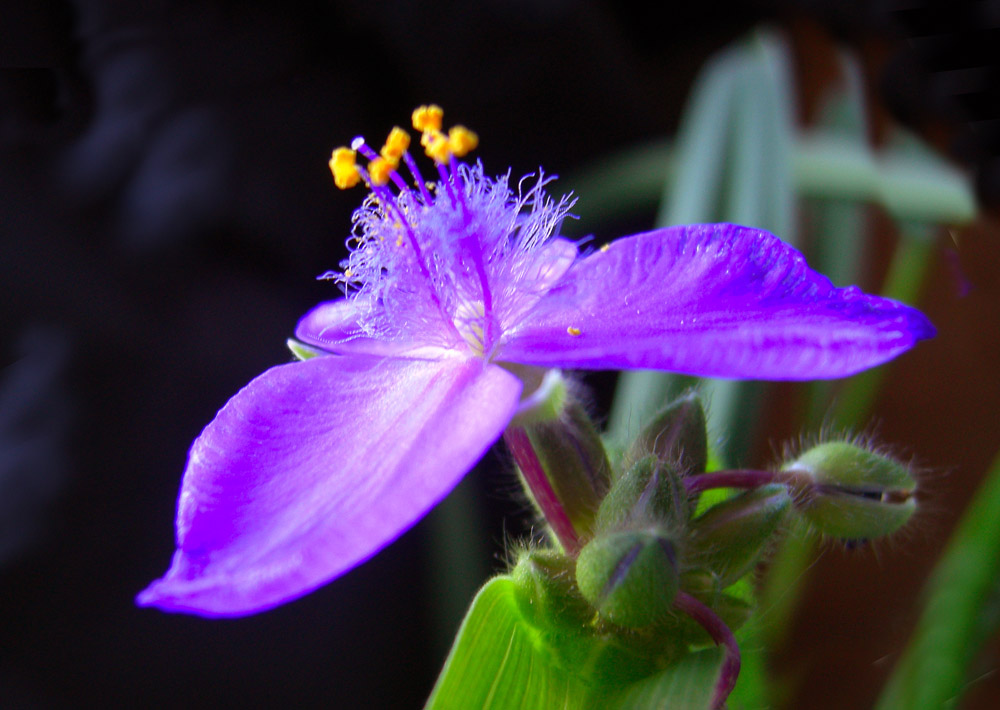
<point x="629" y="577"/>
<point x="849" y="492"/>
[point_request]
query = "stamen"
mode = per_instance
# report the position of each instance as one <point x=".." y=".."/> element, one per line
<point x="396" y="144"/>
<point x="447" y="180"/>
<point x="379" y="170"/>
<point x="437" y="147"/>
<point x="344" y="167"/>
<point x="462" y="141"/>
<point x="407" y="239"/>
<point x="418" y="179"/>
<point x="428" y="118"/>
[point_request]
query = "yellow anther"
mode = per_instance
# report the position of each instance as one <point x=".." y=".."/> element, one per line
<point x="344" y="169"/>
<point x="427" y="137"/>
<point x="438" y="149"/>
<point x="605" y="247"/>
<point x="379" y="170"/>
<point x="396" y="144"/>
<point x="399" y="240"/>
<point x="575" y="332"/>
<point x="348" y="273"/>
<point x="428" y="118"/>
<point x="461" y="140"/>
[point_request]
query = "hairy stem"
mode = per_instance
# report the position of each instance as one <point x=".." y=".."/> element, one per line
<point x="737" y="479"/>
<point x="541" y="490"/>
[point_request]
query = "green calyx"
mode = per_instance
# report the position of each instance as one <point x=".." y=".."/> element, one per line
<point x="649" y="493"/>
<point x="301" y="351"/>
<point x="572" y="454"/>
<point x="851" y="493"/>
<point x="630" y="578"/>
<point x="546" y="584"/>
<point x="730" y="537"/>
<point x="566" y="444"/>
<point x="677" y="434"/>
<point x="544" y="396"/>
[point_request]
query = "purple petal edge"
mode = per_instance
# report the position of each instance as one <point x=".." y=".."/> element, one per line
<point x="315" y="466"/>
<point x="333" y="326"/>
<point x="711" y="300"/>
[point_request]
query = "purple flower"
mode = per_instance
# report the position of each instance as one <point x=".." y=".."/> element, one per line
<point x="316" y="465"/>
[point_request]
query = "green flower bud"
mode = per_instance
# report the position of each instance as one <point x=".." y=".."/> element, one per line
<point x="852" y="493"/>
<point x="677" y="434"/>
<point x="649" y="494"/>
<point x="547" y="593"/>
<point x="566" y="444"/>
<point x="572" y="455"/>
<point x="729" y="537"/>
<point x="631" y="578"/>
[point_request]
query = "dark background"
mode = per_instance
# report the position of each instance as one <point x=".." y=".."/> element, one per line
<point x="165" y="207"/>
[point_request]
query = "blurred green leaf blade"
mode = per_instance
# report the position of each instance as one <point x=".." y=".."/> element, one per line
<point x="961" y="598"/>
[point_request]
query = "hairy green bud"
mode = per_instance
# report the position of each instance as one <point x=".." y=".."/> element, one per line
<point x="677" y="434"/>
<point x="649" y="494"/>
<point x="630" y="578"/>
<point x="547" y="589"/>
<point x="730" y="537"/>
<point x="565" y="444"/>
<point x="852" y="493"/>
<point x="570" y="451"/>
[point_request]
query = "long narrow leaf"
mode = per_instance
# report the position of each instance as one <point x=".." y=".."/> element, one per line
<point x="962" y="595"/>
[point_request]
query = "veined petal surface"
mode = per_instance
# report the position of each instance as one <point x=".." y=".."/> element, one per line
<point x="315" y="466"/>
<point x="714" y="300"/>
<point x="333" y="326"/>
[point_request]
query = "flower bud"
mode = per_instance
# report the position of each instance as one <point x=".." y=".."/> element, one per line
<point x="631" y="577"/>
<point x="852" y="493"/>
<point x="729" y="537"/>
<point x="677" y="434"/>
<point x="547" y="594"/>
<point x="566" y="444"/>
<point x="650" y="493"/>
<point x="571" y="453"/>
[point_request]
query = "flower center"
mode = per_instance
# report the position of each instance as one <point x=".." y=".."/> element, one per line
<point x="471" y="325"/>
<point x="453" y="263"/>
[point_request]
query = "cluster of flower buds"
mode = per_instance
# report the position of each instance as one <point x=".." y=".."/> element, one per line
<point x="643" y="555"/>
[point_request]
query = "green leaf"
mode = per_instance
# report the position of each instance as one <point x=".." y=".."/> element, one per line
<point x="500" y="661"/>
<point x="688" y="683"/>
<point x="959" y="615"/>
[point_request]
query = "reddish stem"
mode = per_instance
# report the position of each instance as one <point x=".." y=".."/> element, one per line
<point x="722" y="636"/>
<point x="735" y="479"/>
<point x="534" y="475"/>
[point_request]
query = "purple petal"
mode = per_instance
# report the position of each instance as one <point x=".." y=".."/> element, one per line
<point x="711" y="300"/>
<point x="315" y="466"/>
<point x="333" y="326"/>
